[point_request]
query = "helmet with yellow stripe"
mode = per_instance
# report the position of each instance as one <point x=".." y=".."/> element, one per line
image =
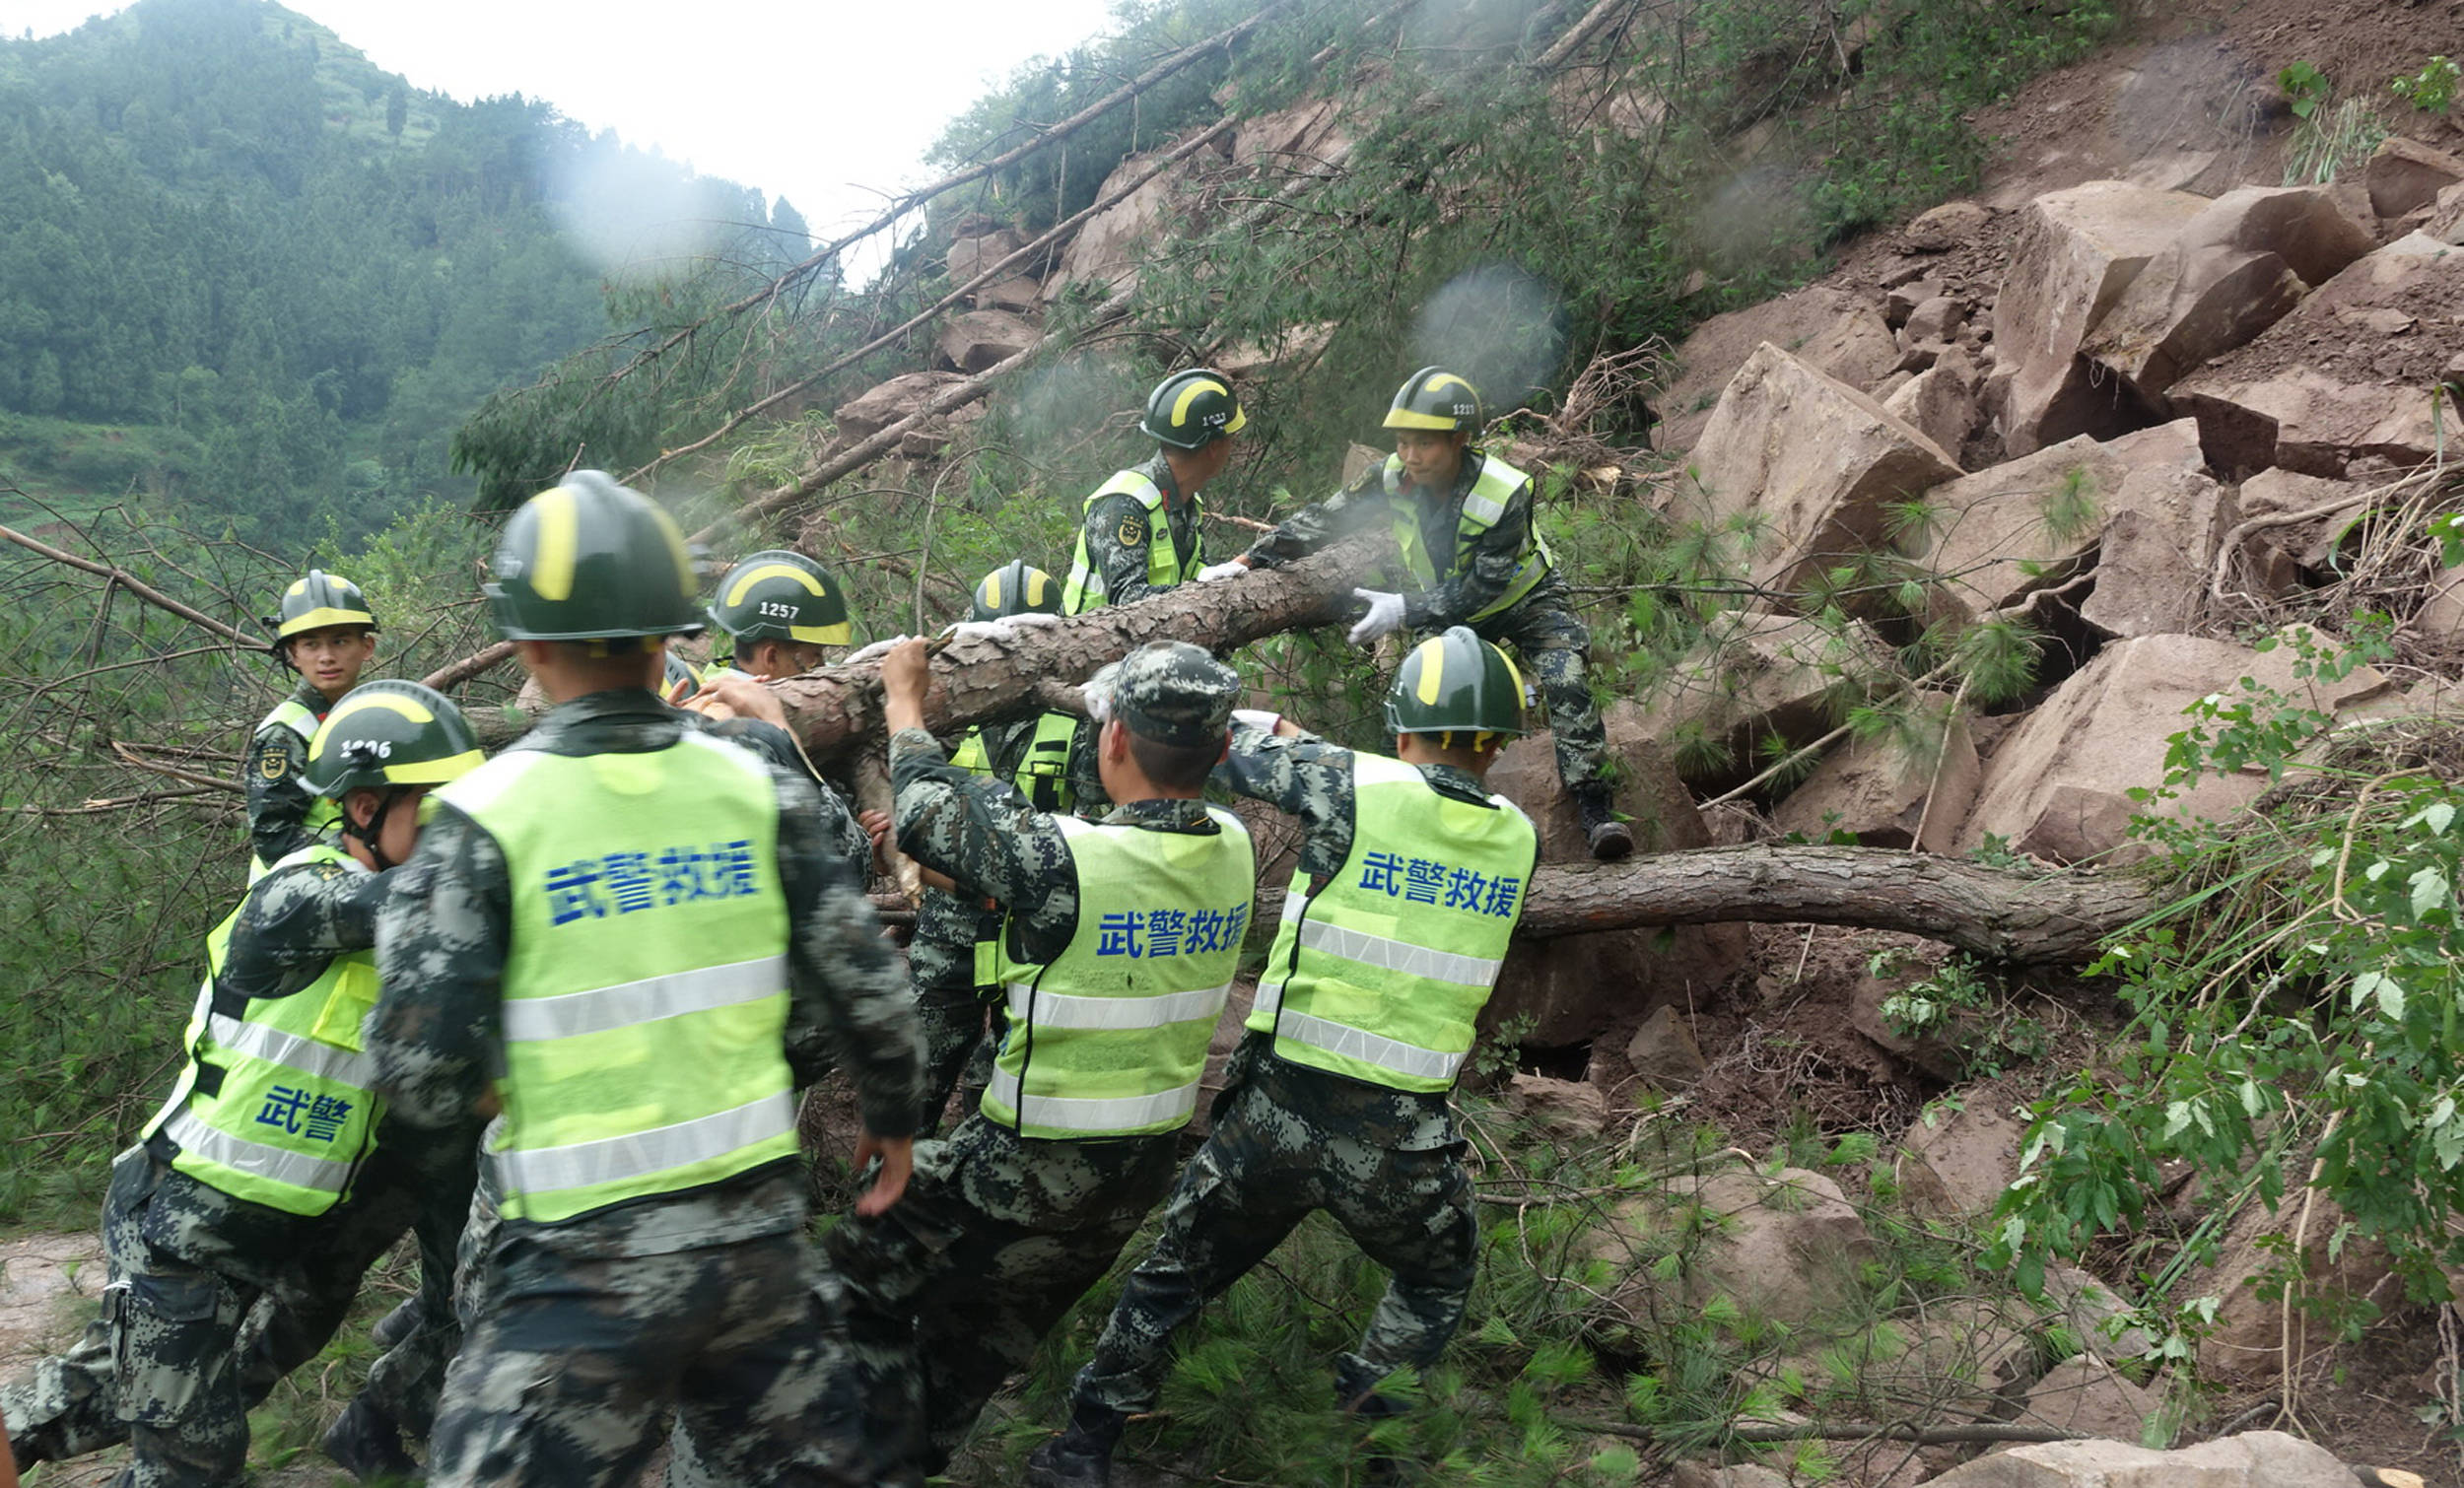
<point x="1455" y="684"/>
<point x="1190" y="409"/>
<point x="590" y="560"/>
<point x="1439" y="401"/>
<point x="779" y="596"/>
<point x="1016" y="588"/>
<point x="384" y="735"/>
<point x="318" y="600"/>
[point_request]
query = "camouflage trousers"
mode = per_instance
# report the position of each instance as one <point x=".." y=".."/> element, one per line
<point x="1554" y="643"/>
<point x="960" y="1032"/>
<point x="1266" y="1165"/>
<point x="159" y="1368"/>
<point x="949" y="1292"/>
<point x="577" y="1363"/>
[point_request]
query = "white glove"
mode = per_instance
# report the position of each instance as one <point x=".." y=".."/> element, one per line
<point x="1031" y="620"/>
<point x="978" y="630"/>
<point x="1096" y="692"/>
<point x="874" y="651"/>
<point x="1220" y="570"/>
<point x="1385" y="613"/>
<point x="1256" y="717"/>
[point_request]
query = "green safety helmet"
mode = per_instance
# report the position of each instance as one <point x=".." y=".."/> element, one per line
<point x="1455" y="683"/>
<point x="589" y="559"/>
<point x="779" y="596"/>
<point x="315" y="602"/>
<point x="388" y="734"/>
<point x="1190" y="408"/>
<point x="1016" y="588"/>
<point x="1435" y="398"/>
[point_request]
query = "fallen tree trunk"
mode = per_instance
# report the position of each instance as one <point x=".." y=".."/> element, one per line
<point x="983" y="678"/>
<point x="2051" y="918"/>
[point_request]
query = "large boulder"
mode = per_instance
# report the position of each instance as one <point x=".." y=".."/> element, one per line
<point x="2404" y="173"/>
<point x="2057" y="786"/>
<point x="2155" y="552"/>
<point x="1785" y="1246"/>
<point x="2255" y="1269"/>
<point x="1105" y="253"/>
<point x="2234" y="269"/>
<point x="2086" y="1395"/>
<point x="2253" y="1459"/>
<point x="1887" y="794"/>
<point x="1757" y="677"/>
<point x="980" y="339"/>
<point x="2346" y="375"/>
<point x="2446" y="216"/>
<point x="1956" y="1164"/>
<point x="1572" y="987"/>
<point x="1301" y="137"/>
<point x="1828" y="329"/>
<point x="2024" y="525"/>
<point x="972" y="255"/>
<point x="2075" y="252"/>
<point x="1940" y="402"/>
<point x="880" y="407"/>
<point x="1814" y="463"/>
<point x="1663" y="1053"/>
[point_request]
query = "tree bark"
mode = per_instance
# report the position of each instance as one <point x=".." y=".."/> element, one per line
<point x="977" y="679"/>
<point x="2055" y="918"/>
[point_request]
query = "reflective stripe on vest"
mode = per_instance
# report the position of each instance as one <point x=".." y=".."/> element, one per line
<point x="1110" y="1037"/>
<point x="1085" y="590"/>
<point x="1484" y="507"/>
<point x="645" y="980"/>
<point x="289" y="1116"/>
<point x="1379" y="975"/>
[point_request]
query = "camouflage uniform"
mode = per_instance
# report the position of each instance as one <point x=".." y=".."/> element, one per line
<point x="1542" y="628"/>
<point x="704" y="1303"/>
<point x="162" y="1367"/>
<point x="1286" y="1139"/>
<point x="278" y="804"/>
<point x="1116" y="536"/>
<point x="950" y="1291"/>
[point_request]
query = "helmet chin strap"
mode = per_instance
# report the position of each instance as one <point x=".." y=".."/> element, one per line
<point x="367" y="836"/>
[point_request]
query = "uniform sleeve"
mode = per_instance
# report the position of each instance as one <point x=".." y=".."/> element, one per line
<point x="1496" y="557"/>
<point x="774" y="744"/>
<point x="435" y="1035"/>
<point x="847" y="997"/>
<point x="982" y="835"/>
<point x="1313" y="527"/>
<point x="296" y="921"/>
<point x="1115" y="534"/>
<point x="278" y="804"/>
<point x="1303" y="775"/>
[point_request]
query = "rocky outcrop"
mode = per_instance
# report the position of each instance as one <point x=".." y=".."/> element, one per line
<point x="2057" y="786"/>
<point x="2076" y="252"/>
<point x="2253" y="1459"/>
<point x="1572" y="987"/>
<point x="2345" y="377"/>
<point x="1815" y="462"/>
<point x="1830" y="330"/>
<point x="1105" y="253"/>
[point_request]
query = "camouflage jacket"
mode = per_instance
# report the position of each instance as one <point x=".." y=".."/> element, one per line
<point x="1456" y="596"/>
<point x="1312" y="779"/>
<point x="278" y="804"/>
<point x="1115" y="534"/>
<point x="987" y="839"/>
<point x="437" y="1034"/>
<point x="775" y="745"/>
<point x="297" y="920"/>
<point x="948" y="925"/>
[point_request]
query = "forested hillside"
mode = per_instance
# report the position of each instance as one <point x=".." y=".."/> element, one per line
<point x="247" y="272"/>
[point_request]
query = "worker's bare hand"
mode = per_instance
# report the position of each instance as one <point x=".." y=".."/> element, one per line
<point x="906" y="676"/>
<point x="742" y="696"/>
<point x="898" y="1161"/>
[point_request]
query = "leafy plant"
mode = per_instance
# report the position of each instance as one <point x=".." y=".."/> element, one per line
<point x="2433" y="89"/>
<point x="2305" y="88"/>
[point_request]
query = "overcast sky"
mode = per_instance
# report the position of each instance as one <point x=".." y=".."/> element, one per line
<point x="829" y="105"/>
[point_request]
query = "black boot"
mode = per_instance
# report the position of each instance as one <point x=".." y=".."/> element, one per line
<point x="368" y="1445"/>
<point x="398" y="1325"/>
<point x="1608" y="838"/>
<point x="1081" y="1455"/>
<point x="1375" y="1467"/>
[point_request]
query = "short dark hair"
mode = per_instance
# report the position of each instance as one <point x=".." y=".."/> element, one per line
<point x="1174" y="767"/>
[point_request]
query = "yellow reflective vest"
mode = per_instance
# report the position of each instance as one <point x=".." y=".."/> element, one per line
<point x="323" y="814"/>
<point x="645" y="981"/>
<point x="1484" y="507"/>
<point x="274" y="1104"/>
<point x="1380" y="974"/>
<point x="1108" y="1038"/>
<point x="1085" y="590"/>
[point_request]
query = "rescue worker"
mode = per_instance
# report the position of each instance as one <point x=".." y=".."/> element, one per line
<point x="1139" y="532"/>
<point x="1466" y="523"/>
<point x="1409" y="881"/>
<point x="645" y="935"/>
<point x="779" y="608"/>
<point x="268" y="1128"/>
<point x="1121" y="941"/>
<point x="325" y="635"/>
<point x="951" y="957"/>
